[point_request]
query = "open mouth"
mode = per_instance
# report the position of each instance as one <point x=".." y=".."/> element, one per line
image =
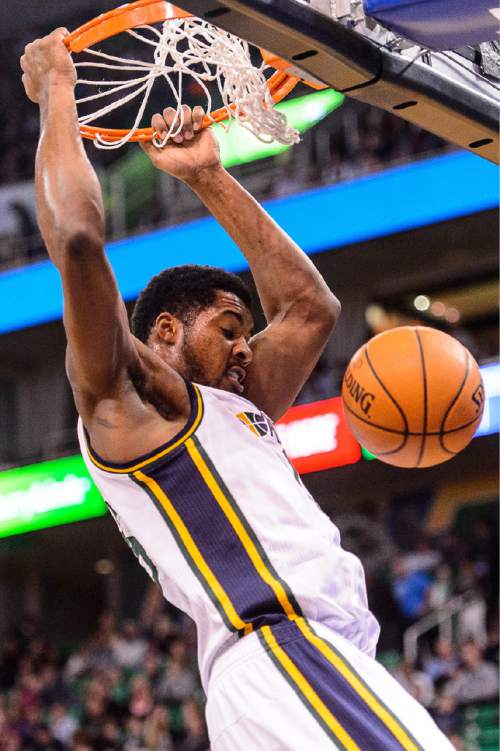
<point x="236" y="375"/>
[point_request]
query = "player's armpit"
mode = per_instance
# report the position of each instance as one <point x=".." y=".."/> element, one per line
<point x="285" y="353"/>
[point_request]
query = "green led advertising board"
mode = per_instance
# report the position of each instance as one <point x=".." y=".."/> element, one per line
<point x="239" y="146"/>
<point x="46" y="495"/>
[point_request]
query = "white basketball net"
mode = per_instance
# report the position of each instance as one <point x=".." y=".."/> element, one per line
<point x="195" y="48"/>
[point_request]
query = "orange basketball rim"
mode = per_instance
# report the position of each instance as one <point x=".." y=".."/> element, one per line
<point x="140" y="13"/>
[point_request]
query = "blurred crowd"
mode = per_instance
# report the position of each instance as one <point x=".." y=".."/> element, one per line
<point x="456" y="663"/>
<point x="123" y="689"/>
<point x="135" y="687"/>
<point x="452" y="680"/>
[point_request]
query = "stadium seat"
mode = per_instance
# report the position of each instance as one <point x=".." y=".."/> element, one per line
<point x="481" y="731"/>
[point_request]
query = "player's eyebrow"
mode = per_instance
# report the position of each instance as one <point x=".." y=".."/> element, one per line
<point x="239" y="318"/>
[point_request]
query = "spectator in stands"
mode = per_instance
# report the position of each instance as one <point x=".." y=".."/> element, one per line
<point x="444" y="662"/>
<point x="447" y="714"/>
<point x="163" y="634"/>
<point x="79" y="663"/>
<point x="108" y="738"/>
<point x="476" y="679"/>
<point x="410" y="589"/>
<point x="416" y="682"/>
<point x="196" y="738"/>
<point x="157" y="730"/>
<point x="129" y="649"/>
<point x="177" y="682"/>
<point x="424" y="557"/>
<point x="141" y="698"/>
<point x="133" y="735"/>
<point x="62" y="724"/>
<point x="81" y="742"/>
<point x="52" y="688"/>
<point x="42" y="740"/>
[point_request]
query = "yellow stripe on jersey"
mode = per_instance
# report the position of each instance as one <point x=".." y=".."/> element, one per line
<point x="195" y="554"/>
<point x="335" y="659"/>
<point x="240" y="530"/>
<point x="140" y="465"/>
<point x="361" y="689"/>
<point x="308" y="692"/>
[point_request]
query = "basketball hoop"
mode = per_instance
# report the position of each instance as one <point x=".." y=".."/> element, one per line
<point x="185" y="46"/>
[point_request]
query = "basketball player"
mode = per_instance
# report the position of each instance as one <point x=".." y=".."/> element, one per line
<point x="176" y="428"/>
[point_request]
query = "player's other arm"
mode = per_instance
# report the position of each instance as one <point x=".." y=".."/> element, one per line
<point x="101" y="356"/>
<point x="300" y="309"/>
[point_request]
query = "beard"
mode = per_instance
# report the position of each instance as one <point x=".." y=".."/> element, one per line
<point x="194" y="370"/>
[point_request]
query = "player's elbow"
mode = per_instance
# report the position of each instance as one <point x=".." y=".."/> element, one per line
<point x="317" y="312"/>
<point x="333" y="308"/>
<point x="79" y="244"/>
<point x="325" y="309"/>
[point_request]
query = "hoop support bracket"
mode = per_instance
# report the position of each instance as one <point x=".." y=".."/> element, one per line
<point x="350" y="63"/>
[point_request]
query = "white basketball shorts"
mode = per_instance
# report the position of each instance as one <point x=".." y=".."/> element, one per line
<point x="297" y="686"/>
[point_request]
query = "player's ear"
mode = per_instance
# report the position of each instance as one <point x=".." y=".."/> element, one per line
<point x="168" y="328"/>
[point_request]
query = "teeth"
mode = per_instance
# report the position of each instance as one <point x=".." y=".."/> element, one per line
<point x="235" y="374"/>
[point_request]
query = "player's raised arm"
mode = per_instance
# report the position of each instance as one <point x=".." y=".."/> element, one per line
<point x="71" y="218"/>
<point x="299" y="307"/>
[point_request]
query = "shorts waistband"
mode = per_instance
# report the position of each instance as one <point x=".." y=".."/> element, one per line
<point x="236" y="650"/>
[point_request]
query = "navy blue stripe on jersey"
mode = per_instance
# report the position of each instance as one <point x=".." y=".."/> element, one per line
<point x="363" y="726"/>
<point x="212" y="532"/>
<point x="245" y="532"/>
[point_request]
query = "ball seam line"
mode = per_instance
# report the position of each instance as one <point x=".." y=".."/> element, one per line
<point x="453" y="402"/>
<point x="400" y="410"/>
<point x="424" y="384"/>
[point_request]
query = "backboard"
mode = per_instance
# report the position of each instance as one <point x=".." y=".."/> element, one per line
<point x="443" y="92"/>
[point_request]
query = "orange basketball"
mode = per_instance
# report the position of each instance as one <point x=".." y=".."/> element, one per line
<point x="413" y="396"/>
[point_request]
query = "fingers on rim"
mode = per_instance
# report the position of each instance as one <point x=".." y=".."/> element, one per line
<point x="191" y="120"/>
<point x="169" y="115"/>
<point x="158" y="123"/>
<point x="198" y="115"/>
<point x="187" y="126"/>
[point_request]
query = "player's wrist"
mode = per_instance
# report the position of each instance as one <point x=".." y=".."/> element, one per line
<point x="56" y="83"/>
<point x="61" y="79"/>
<point x="204" y="177"/>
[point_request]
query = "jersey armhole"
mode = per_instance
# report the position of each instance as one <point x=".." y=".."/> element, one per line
<point x="168" y="449"/>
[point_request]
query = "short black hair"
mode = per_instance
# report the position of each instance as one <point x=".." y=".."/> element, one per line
<point x="182" y="291"/>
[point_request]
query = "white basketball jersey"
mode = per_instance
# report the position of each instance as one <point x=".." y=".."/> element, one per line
<point x="220" y="518"/>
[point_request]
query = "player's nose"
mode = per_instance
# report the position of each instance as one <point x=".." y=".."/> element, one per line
<point x="242" y="352"/>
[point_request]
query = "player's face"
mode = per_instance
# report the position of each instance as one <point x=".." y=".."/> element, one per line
<point x="216" y="349"/>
